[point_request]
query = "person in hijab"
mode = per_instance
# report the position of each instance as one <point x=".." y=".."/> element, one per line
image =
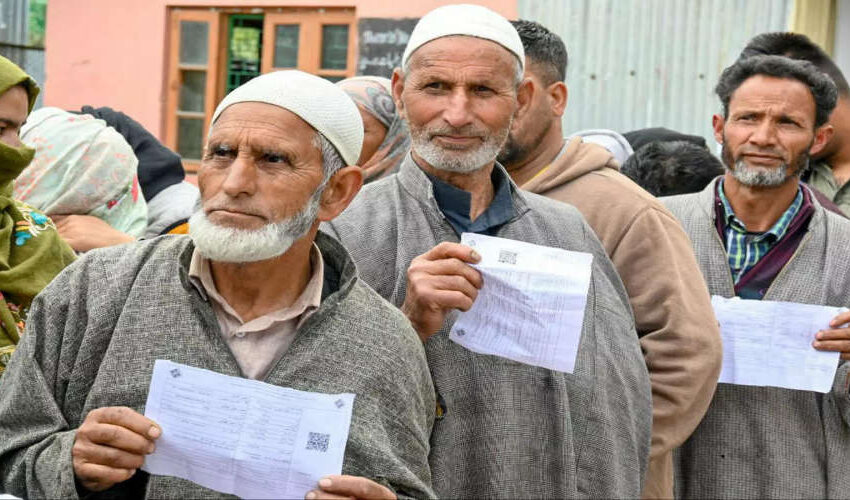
<point x="386" y="139"/>
<point x="170" y="198"/>
<point x="81" y="166"/>
<point x="31" y="251"/>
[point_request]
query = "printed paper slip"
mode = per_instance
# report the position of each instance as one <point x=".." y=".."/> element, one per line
<point x="768" y="343"/>
<point x="244" y="437"/>
<point x="531" y="307"/>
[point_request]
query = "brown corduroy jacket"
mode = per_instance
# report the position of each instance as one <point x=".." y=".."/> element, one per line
<point x="673" y="314"/>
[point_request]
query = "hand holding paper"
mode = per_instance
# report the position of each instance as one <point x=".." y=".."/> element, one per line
<point x="244" y="437"/>
<point x="836" y="338"/>
<point x="438" y="281"/>
<point x="532" y="303"/>
<point x="768" y="343"/>
<point x="335" y="487"/>
<point x="110" y="445"/>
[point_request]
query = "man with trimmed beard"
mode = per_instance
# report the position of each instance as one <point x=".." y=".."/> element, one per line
<point x="504" y="429"/>
<point x="651" y="252"/>
<point x="760" y="234"/>
<point x="829" y="171"/>
<point x="254" y="291"/>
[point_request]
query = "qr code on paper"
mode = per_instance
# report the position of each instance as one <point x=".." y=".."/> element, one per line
<point x="506" y="257"/>
<point x="318" y="441"/>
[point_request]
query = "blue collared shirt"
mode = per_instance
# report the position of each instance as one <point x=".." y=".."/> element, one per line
<point x="455" y="204"/>
<point x="744" y="248"/>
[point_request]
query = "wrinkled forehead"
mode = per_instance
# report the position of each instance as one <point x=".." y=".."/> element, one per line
<point x="462" y="50"/>
<point x="763" y="92"/>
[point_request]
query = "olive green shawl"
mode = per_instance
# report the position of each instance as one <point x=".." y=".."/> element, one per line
<point x="31" y="251"/>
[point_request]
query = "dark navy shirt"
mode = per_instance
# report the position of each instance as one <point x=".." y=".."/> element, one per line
<point x="455" y="204"/>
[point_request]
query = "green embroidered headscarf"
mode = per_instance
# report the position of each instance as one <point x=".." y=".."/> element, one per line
<point x="31" y="251"/>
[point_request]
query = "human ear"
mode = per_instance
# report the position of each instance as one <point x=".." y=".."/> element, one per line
<point x="823" y="134"/>
<point x="397" y="84"/>
<point x="718" y="122"/>
<point x="558" y="94"/>
<point x="523" y="97"/>
<point x="342" y="187"/>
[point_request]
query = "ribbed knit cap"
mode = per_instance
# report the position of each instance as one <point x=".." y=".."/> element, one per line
<point x="465" y="20"/>
<point x="326" y="107"/>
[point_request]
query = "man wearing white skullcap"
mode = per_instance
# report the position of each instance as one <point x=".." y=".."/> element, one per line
<point x="253" y="291"/>
<point x="504" y="429"/>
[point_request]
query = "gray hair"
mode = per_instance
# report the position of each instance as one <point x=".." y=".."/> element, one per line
<point x="331" y="159"/>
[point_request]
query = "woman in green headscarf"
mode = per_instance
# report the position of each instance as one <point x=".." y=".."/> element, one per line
<point x="31" y="251"/>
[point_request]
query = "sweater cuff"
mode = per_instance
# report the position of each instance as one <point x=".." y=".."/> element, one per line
<point x="55" y="466"/>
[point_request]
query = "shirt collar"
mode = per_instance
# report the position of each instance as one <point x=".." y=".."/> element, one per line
<point x="455" y="204"/>
<point x="416" y="183"/>
<point x="201" y="277"/>
<point x="779" y="228"/>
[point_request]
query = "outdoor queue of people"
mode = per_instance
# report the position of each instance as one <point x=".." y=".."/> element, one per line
<point x="283" y="267"/>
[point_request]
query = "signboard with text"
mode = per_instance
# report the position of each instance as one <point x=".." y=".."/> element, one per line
<point x="382" y="43"/>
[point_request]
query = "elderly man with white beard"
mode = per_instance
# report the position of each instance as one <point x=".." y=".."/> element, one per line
<point x="504" y="429"/>
<point x="254" y="291"/>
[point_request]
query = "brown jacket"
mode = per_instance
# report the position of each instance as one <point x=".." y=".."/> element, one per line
<point x="653" y="255"/>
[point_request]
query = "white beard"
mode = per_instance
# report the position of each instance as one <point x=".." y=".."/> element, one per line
<point x="228" y="244"/>
<point x="455" y="160"/>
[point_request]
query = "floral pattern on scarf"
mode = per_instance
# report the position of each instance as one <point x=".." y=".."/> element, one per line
<point x="81" y="167"/>
<point x="33" y="233"/>
<point x="373" y="95"/>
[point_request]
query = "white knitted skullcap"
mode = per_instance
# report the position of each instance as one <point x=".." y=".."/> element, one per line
<point x="465" y="20"/>
<point x="326" y="107"/>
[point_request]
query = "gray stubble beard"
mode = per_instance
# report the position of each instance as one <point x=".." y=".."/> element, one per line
<point x="760" y="176"/>
<point x="436" y="156"/>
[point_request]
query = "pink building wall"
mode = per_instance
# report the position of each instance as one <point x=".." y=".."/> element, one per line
<point x="113" y="53"/>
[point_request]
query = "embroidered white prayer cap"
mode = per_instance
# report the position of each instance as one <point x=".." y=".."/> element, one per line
<point x="465" y="20"/>
<point x="326" y="107"/>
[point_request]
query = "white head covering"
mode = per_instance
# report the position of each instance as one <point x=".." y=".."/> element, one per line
<point x="465" y="20"/>
<point x="323" y="105"/>
<point x="614" y="142"/>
